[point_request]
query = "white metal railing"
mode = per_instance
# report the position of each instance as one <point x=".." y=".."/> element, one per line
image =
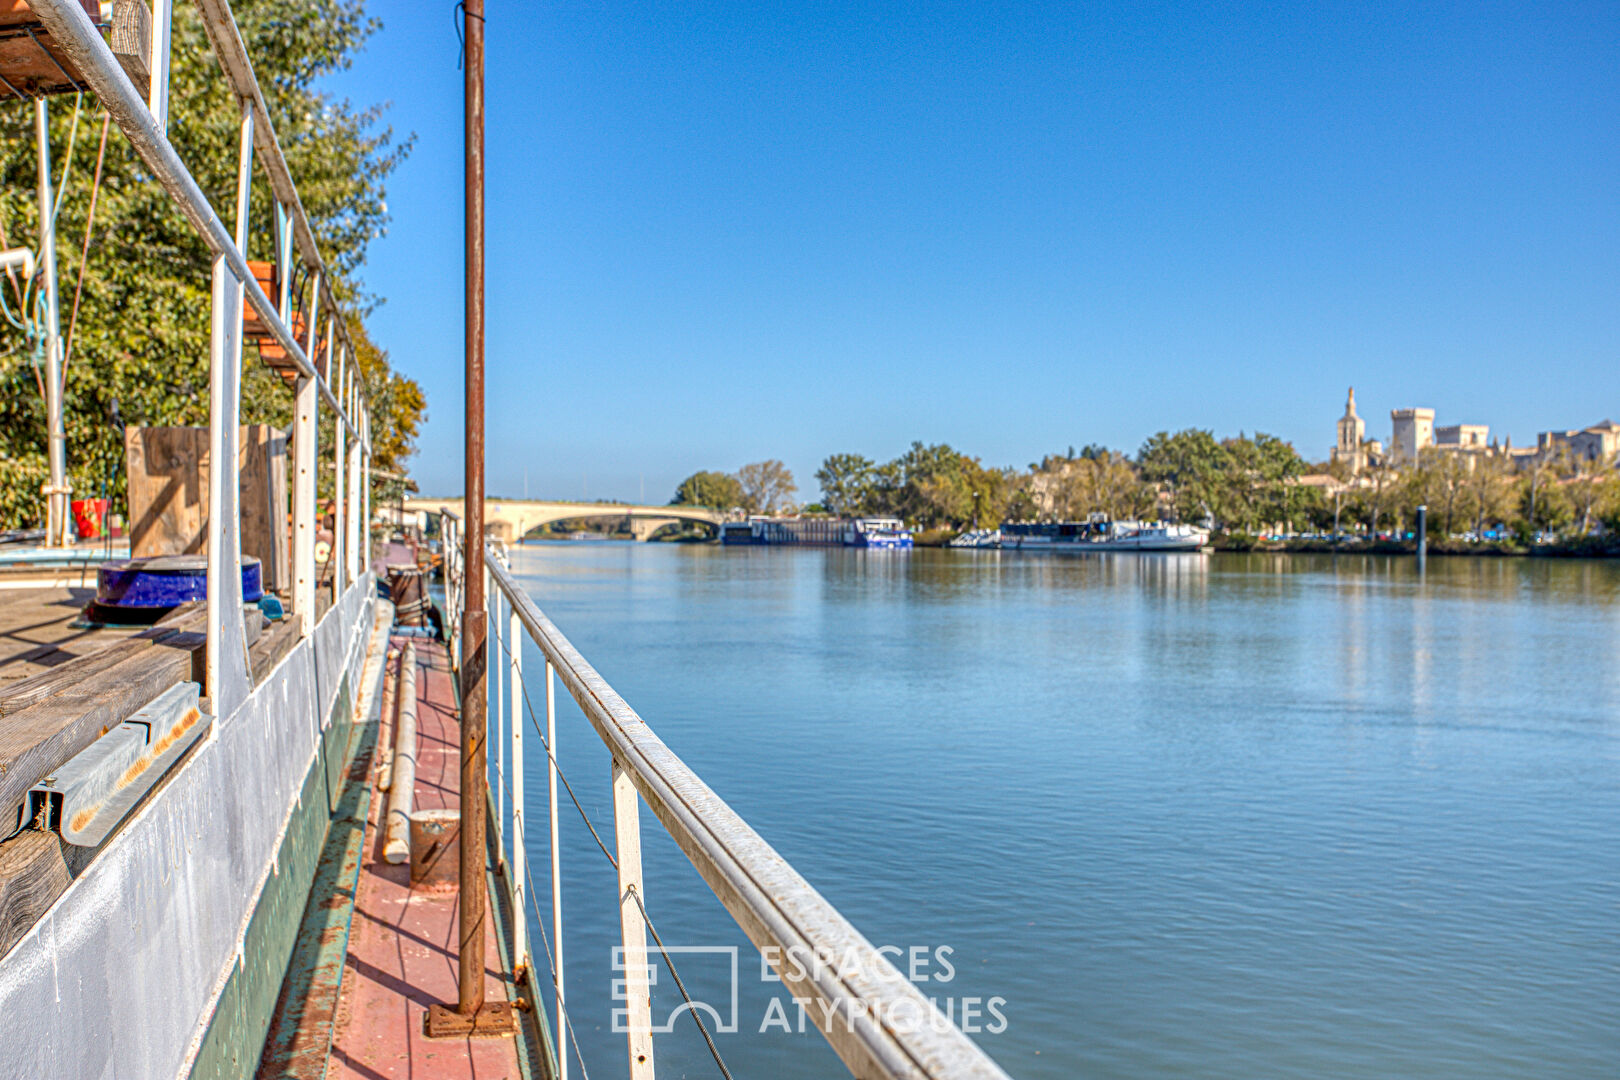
<point x="877" y="1021"/>
<point x="144" y="122"/>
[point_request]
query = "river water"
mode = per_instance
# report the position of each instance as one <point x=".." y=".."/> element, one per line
<point x="1189" y="816"/>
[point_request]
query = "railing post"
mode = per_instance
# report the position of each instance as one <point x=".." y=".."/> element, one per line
<point x="357" y="555"/>
<point x="340" y="452"/>
<point x="306" y="447"/>
<point x="520" y="856"/>
<point x="158" y="89"/>
<point x="637" y="982"/>
<point x="498" y="669"/>
<point x="556" y="863"/>
<point x="227" y="682"/>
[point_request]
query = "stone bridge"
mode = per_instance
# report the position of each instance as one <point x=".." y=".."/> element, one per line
<point x="512" y="519"/>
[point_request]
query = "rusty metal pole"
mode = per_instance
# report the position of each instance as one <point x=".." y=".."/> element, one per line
<point x="472" y="1014"/>
<point x="474" y="714"/>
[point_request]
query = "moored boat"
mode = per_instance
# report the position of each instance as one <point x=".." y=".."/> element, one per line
<point x="877" y="532"/>
<point x="1100" y="535"/>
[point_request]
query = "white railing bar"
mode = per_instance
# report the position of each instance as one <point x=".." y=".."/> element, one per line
<point x="497" y="674"/>
<point x="72" y="29"/>
<point x="238" y="68"/>
<point x="556" y="849"/>
<point x="636" y="978"/>
<point x="877" y="1022"/>
<point x="519" y="861"/>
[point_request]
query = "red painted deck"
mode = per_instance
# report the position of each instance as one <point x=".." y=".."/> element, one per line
<point x="402" y="945"/>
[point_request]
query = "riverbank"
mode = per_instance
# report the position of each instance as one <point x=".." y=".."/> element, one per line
<point x="1592" y="547"/>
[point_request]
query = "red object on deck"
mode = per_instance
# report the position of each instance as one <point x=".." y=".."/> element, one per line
<point x="88" y="514"/>
<point x="402" y="945"/>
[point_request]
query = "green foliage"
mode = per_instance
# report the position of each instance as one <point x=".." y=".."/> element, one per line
<point x="139" y="348"/>
<point x="1190" y="465"/>
<point x="716" y="490"/>
<point x="847" y="483"/>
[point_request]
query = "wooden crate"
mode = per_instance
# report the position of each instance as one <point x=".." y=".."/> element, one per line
<point x="168" y="495"/>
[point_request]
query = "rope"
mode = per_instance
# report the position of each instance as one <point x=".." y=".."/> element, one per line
<point x="84" y="254"/>
<point x="67" y="161"/>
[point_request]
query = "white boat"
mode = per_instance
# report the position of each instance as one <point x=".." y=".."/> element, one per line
<point x="1099" y="535"/>
<point x="876" y="532"/>
<point x="977" y="538"/>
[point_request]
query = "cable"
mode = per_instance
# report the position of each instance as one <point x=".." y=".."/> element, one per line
<point x="714" y="1051"/>
<point x="539" y="918"/>
<point x="523" y="688"/>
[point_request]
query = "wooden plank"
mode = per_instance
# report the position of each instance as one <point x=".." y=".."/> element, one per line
<point x="278" y="566"/>
<point x="272" y="647"/>
<point x="36" y="688"/>
<point x="168" y="493"/>
<point x="36" y="739"/>
<point x="33" y="873"/>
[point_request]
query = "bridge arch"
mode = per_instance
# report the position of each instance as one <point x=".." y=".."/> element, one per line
<point x="511" y="519"/>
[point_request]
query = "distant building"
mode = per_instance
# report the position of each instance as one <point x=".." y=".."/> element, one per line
<point x="1471" y="437"/>
<point x="1600" y="442"/>
<point x="1413" y="429"/>
<point x="1352" y="447"/>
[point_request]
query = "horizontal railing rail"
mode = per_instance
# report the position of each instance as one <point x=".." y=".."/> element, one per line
<point x="879" y="1024"/>
<point x="82" y="41"/>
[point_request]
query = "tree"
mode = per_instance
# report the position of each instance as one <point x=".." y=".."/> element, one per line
<point x="1191" y="464"/>
<point x="847" y="484"/>
<point x="1485" y="491"/>
<point x="1541" y="501"/>
<point x="1592" y="490"/>
<point x="767" y="487"/>
<point x="716" y="490"/>
<point x="1377" y="492"/>
<point x="140" y="340"/>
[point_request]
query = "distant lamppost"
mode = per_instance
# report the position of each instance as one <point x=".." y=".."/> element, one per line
<point x="975" y="511"/>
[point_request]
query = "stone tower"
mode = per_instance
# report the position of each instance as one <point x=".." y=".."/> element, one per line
<point x="1351" y="448"/>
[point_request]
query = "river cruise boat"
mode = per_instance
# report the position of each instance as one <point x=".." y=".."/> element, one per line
<point x="817" y="532"/>
<point x="1101" y="535"/>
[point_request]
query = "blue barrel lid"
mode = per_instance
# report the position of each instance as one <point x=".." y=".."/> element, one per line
<point x="165" y="581"/>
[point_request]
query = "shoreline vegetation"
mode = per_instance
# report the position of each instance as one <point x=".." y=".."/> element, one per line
<point x="1254" y="493"/>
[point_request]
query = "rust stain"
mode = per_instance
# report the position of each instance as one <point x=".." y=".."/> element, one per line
<point x="144" y="762"/>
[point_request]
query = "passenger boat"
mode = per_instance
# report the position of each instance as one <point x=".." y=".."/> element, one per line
<point x="877" y="532"/>
<point x="1100" y="535"/>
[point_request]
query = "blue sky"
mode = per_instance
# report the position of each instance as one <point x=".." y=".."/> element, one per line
<point x="720" y="233"/>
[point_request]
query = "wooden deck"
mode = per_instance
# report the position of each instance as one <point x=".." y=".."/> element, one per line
<point x="64" y="685"/>
<point x="376" y="951"/>
<point x="38" y="630"/>
<point x="402" y="948"/>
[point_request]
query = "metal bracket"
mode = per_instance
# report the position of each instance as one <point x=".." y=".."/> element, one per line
<point x="96" y="789"/>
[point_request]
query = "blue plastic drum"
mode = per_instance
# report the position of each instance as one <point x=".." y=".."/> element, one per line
<point x="166" y="581"/>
